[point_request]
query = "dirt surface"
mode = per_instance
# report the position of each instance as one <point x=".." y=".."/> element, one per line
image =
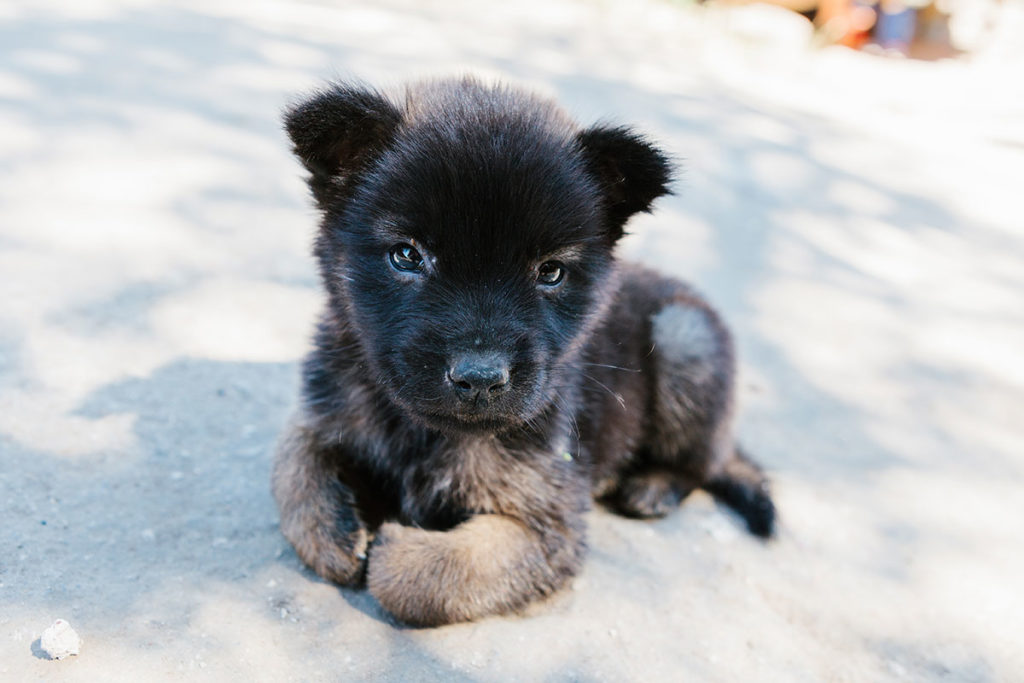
<point x="857" y="220"/>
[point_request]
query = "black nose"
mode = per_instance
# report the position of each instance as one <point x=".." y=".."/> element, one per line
<point x="479" y="376"/>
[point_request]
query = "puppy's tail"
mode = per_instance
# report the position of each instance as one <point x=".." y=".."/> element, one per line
<point x="741" y="485"/>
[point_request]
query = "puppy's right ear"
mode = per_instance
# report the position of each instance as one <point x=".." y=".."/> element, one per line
<point x="336" y="132"/>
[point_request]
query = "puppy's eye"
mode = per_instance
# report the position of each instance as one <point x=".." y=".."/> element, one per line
<point x="550" y="273"/>
<point x="405" y="257"/>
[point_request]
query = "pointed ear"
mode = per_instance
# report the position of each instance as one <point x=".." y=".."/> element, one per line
<point x="631" y="172"/>
<point x="336" y="132"/>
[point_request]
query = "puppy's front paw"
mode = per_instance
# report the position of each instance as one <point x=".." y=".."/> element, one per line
<point x="328" y="550"/>
<point x="318" y="511"/>
<point x="489" y="564"/>
<point x="403" y="567"/>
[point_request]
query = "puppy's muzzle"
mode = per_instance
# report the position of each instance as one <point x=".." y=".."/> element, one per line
<point x="479" y="377"/>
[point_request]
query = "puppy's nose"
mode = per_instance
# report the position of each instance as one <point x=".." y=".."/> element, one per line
<point x="479" y="376"/>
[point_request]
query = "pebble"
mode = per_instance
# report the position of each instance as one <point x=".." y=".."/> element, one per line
<point x="60" y="640"/>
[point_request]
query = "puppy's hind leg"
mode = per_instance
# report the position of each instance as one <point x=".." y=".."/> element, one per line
<point x="649" y="492"/>
<point x="691" y="424"/>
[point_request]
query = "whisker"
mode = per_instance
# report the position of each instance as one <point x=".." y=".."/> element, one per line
<point x="615" y="395"/>
<point x="570" y="413"/>
<point x="613" y="367"/>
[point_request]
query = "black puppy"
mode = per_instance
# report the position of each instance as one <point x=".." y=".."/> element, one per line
<point x="484" y="366"/>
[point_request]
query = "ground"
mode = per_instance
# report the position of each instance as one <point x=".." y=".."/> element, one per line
<point x="857" y="221"/>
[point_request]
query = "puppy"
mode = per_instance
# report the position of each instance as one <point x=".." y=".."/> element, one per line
<point x="484" y="366"/>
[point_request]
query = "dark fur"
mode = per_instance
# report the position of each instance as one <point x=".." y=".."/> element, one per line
<point x="620" y="380"/>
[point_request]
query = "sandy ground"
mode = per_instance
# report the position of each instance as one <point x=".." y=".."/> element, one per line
<point x="857" y="220"/>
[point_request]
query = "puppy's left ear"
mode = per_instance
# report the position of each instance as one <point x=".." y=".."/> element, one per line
<point x="631" y="172"/>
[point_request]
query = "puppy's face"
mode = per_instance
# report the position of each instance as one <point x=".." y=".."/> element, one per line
<point x="469" y="240"/>
<point x="473" y="268"/>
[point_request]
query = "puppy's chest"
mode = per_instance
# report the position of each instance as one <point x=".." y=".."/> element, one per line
<point x="473" y="477"/>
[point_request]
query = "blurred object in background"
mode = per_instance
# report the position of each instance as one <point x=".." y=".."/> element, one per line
<point x="920" y="29"/>
<point x="932" y="34"/>
<point x="845" y="22"/>
<point x="896" y="26"/>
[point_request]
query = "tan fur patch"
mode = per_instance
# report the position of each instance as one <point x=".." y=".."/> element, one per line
<point x="489" y="564"/>
<point x="310" y="510"/>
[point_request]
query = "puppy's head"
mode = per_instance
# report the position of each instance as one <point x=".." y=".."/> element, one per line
<point x="468" y="235"/>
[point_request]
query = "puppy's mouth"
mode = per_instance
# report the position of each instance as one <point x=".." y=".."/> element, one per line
<point x="463" y="421"/>
<point x="472" y="418"/>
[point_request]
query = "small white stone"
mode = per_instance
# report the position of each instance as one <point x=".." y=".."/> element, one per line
<point x="60" y="640"/>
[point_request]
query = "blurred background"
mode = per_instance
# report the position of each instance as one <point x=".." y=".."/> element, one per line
<point x="923" y="29"/>
<point x="850" y="198"/>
